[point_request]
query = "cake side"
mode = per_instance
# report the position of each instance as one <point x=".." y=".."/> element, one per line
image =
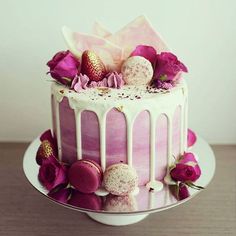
<point x="108" y="127"/>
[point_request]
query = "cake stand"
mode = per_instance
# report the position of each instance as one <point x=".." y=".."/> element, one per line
<point x="124" y="211"/>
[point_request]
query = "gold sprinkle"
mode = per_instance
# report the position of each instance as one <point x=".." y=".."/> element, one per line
<point x="103" y="90"/>
<point x="120" y="108"/>
<point x="46" y="149"/>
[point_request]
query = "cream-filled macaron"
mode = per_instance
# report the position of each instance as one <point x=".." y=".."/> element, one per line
<point x="120" y="179"/>
<point x="137" y="70"/>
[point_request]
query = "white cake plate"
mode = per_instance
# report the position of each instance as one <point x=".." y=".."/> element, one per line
<point x="141" y="205"/>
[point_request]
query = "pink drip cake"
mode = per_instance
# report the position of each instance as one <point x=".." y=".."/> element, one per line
<point x="120" y="98"/>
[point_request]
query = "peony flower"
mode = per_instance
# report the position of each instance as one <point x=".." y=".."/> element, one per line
<point x="52" y="173"/>
<point x="145" y="51"/>
<point x="167" y="68"/>
<point x="61" y="194"/>
<point x="80" y="82"/>
<point x="63" y="67"/>
<point x="192" y="138"/>
<point x="187" y="169"/>
<point x="47" y="148"/>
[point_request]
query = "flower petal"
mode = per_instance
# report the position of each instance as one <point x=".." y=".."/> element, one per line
<point x="192" y="138"/>
<point x="145" y="51"/>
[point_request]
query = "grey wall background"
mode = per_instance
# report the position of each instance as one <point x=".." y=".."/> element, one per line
<point x="201" y="32"/>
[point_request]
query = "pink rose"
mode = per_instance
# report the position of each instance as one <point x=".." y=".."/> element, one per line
<point x="52" y="174"/>
<point x="47" y="148"/>
<point x="145" y="51"/>
<point x="192" y="138"/>
<point x="186" y="170"/>
<point x="63" y="67"/>
<point x="183" y="191"/>
<point x="167" y="67"/>
<point x="61" y="194"/>
<point x="180" y="191"/>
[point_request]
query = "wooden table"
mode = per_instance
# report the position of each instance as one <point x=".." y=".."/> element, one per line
<point x="23" y="211"/>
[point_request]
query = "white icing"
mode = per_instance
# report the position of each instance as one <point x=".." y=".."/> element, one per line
<point x="58" y="128"/>
<point x="102" y="192"/>
<point x="131" y="100"/>
<point x="155" y="186"/>
<point x="78" y="133"/>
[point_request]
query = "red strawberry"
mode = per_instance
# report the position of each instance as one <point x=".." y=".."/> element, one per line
<point x="92" y="66"/>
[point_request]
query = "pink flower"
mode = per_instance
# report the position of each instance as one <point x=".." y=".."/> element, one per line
<point x="47" y="148"/>
<point x="183" y="191"/>
<point x="52" y="174"/>
<point x="61" y="194"/>
<point x="180" y="191"/>
<point x="192" y="138"/>
<point x="186" y="170"/>
<point x="145" y="51"/>
<point x="187" y="158"/>
<point x="164" y="85"/>
<point x="167" y="67"/>
<point x="63" y="67"/>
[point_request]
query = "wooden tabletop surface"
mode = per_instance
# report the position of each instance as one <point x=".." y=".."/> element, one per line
<point x="23" y="211"/>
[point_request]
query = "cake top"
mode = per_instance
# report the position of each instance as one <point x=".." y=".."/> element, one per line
<point x="134" y="56"/>
<point x="125" y="94"/>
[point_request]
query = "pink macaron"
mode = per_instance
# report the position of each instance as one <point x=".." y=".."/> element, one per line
<point x="85" y="175"/>
<point x="85" y="200"/>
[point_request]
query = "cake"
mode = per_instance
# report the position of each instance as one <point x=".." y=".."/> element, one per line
<point x="120" y="98"/>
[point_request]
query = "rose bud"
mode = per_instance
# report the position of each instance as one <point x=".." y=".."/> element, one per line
<point x="61" y="194"/>
<point x="167" y="67"/>
<point x="192" y="138"/>
<point x="52" y="174"/>
<point x="63" y="67"/>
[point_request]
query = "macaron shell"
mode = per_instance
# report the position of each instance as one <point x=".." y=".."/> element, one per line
<point x="125" y="203"/>
<point x="85" y="176"/>
<point x="85" y="200"/>
<point x="120" y="179"/>
<point x="137" y="70"/>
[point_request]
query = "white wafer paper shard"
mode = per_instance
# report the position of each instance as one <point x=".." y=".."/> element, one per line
<point x="100" y="31"/>
<point x="138" y="32"/>
<point x="110" y="54"/>
<point x="113" y="49"/>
